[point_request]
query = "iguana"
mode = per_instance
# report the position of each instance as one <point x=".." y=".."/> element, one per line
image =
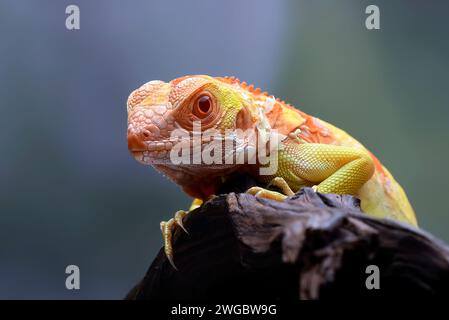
<point x="312" y="152"/>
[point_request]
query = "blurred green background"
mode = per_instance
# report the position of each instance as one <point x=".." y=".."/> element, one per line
<point x="71" y="194"/>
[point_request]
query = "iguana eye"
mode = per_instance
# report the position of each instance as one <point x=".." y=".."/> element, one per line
<point x="202" y="106"/>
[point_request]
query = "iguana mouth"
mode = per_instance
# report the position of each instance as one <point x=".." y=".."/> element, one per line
<point x="158" y="152"/>
<point x="152" y="152"/>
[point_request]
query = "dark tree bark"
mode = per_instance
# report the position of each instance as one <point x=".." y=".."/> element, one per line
<point x="307" y="247"/>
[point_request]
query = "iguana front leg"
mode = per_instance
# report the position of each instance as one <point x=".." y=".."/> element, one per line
<point x="326" y="168"/>
<point x="329" y="168"/>
<point x="268" y="194"/>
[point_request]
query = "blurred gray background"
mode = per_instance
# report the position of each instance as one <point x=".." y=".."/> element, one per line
<point x="71" y="194"/>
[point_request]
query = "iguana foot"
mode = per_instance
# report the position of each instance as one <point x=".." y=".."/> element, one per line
<point x="273" y="195"/>
<point x="259" y="192"/>
<point x="283" y="185"/>
<point x="167" y="228"/>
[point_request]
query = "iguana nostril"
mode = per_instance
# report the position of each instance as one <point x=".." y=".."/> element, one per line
<point x="146" y="134"/>
<point x="150" y="132"/>
<point x="153" y="130"/>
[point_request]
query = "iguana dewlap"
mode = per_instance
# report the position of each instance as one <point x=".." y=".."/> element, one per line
<point x="314" y="153"/>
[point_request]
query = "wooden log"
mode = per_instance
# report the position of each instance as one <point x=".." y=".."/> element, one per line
<point x="311" y="246"/>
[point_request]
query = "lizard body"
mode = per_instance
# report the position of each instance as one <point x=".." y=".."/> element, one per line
<point x="314" y="153"/>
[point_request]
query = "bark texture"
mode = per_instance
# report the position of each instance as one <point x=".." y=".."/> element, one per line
<point x="311" y="246"/>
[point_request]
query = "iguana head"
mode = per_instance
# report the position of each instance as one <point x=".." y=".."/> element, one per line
<point x="159" y="109"/>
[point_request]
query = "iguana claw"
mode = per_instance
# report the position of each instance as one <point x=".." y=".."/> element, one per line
<point x="167" y="233"/>
<point x="268" y="194"/>
<point x="259" y="192"/>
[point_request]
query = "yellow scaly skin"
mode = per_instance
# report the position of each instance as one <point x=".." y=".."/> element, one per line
<point x="315" y="153"/>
